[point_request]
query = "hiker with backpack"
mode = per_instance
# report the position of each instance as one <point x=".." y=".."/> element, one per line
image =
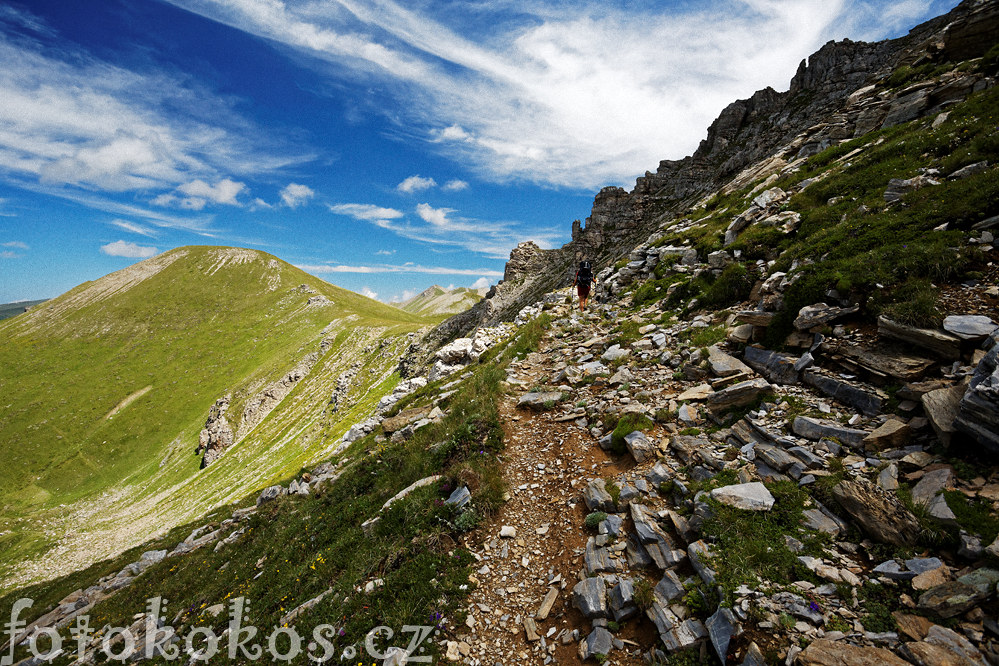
<point x="584" y="276"/>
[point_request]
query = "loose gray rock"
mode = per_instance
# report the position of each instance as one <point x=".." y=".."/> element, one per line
<point x="778" y="368"/>
<point x="950" y="599"/>
<point x="970" y="327"/>
<point x="590" y="598"/>
<point x="639" y="446"/>
<point x="815" y="429"/>
<point x="978" y="411"/>
<point x="614" y="353"/>
<point x="597" y="498"/>
<point x="747" y="496"/>
<point x="722" y="627"/>
<point x="271" y="493"/>
<point x="738" y="395"/>
<point x="539" y="401"/>
<point x="881" y="514"/>
<point x="600" y="641"/>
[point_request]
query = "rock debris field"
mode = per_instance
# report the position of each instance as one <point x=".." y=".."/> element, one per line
<point x="609" y="552"/>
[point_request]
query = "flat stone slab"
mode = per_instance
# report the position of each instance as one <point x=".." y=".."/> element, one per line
<point x="824" y="652"/>
<point x="426" y="481"/>
<point x="816" y="429"/>
<point x="725" y="365"/>
<point x="866" y="401"/>
<point x="778" y="368"/>
<point x="738" y="395"/>
<point x="930" y="484"/>
<point x="700" y="392"/>
<point x="942" y="407"/>
<point x="820" y="314"/>
<point x="890" y="434"/>
<point x="614" y="353"/>
<point x="969" y="327"/>
<point x="940" y="343"/>
<point x="747" y="496"/>
<point x="755" y="317"/>
<point x="539" y="400"/>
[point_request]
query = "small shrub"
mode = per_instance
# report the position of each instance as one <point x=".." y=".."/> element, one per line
<point x="594" y="519"/>
<point x="613" y="490"/>
<point x="626" y="425"/>
<point x="643" y="594"/>
<point x="467" y="521"/>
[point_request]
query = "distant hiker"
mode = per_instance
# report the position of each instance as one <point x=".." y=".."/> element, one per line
<point x="584" y="276"/>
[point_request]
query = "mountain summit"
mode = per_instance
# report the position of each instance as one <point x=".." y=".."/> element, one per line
<point x="110" y="385"/>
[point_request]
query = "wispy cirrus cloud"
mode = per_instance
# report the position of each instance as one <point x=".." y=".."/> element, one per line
<point x="366" y="212"/>
<point x="134" y="228"/>
<point x="574" y="94"/>
<point x="15" y="244"/>
<point x="437" y="226"/>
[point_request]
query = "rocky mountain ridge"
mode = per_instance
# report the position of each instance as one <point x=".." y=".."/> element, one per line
<point x="842" y="91"/>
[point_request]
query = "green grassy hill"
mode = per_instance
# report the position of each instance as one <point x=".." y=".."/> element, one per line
<point x="107" y="387"/>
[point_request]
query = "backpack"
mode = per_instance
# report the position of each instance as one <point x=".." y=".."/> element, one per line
<point x="585" y="274"/>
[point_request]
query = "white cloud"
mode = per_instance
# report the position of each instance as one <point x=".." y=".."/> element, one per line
<point x="416" y="183"/>
<point x="224" y="191"/>
<point x="9" y="254"/>
<point x="481" y="283"/>
<point x="386" y="253"/>
<point x="17" y="244"/>
<point x="260" y="204"/>
<point x="122" y="248"/>
<point x="435" y="216"/>
<point x="366" y="291"/>
<point x="575" y="94"/>
<point x="404" y="268"/>
<point x="455" y="186"/>
<point x="134" y="228"/>
<point x="295" y="195"/>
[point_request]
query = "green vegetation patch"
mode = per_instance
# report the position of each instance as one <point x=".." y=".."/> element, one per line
<point x="975" y="516"/>
<point x="626" y="425"/>
<point x="749" y="546"/>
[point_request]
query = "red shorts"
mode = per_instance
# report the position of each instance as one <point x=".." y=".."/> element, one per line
<point x="583" y="290"/>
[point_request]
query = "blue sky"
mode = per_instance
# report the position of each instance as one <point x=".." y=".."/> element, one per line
<point x="382" y="146"/>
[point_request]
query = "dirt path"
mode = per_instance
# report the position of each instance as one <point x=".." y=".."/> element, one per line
<point x="547" y="463"/>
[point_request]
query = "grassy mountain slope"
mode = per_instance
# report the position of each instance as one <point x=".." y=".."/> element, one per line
<point x="108" y="386"/>
<point x="439" y="302"/>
